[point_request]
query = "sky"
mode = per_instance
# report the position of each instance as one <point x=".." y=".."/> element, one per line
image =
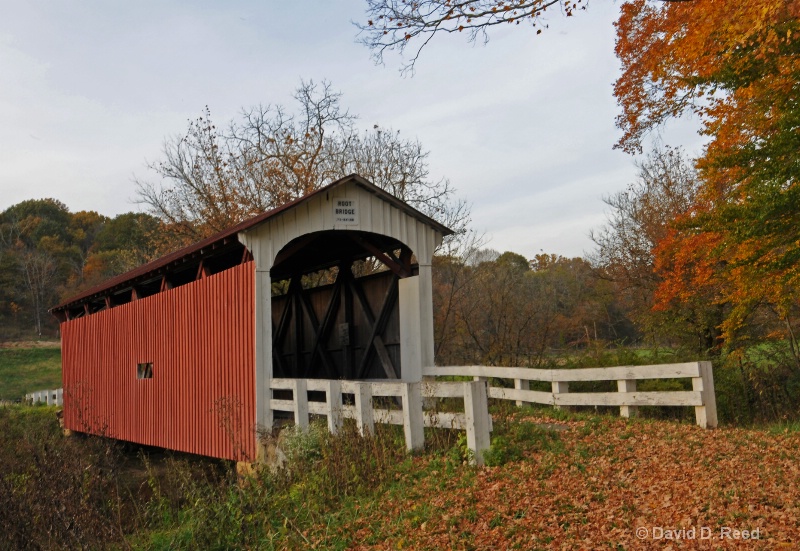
<point x="523" y="127"/>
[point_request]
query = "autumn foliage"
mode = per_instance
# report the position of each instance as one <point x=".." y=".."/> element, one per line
<point x="734" y="65"/>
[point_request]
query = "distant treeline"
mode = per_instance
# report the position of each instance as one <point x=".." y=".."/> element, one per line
<point x="48" y="253"/>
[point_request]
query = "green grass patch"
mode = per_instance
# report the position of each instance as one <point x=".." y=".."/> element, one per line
<point x="24" y="370"/>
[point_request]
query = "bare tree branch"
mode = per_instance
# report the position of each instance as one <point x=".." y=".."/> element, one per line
<point x="211" y="179"/>
<point x="394" y="24"/>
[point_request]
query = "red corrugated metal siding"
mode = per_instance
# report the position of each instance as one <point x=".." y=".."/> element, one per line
<point x="200" y="339"/>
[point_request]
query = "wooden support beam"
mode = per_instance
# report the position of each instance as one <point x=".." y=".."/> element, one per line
<point x="295" y="292"/>
<point x="477" y="420"/>
<point x="107" y="300"/>
<point x="413" y="420"/>
<point x="364" y="415"/>
<point x="202" y="270"/>
<point x="288" y="251"/>
<point x="333" y="397"/>
<point x="166" y="284"/>
<point x="246" y="256"/>
<point x="405" y="259"/>
<point x="625" y="385"/>
<point x="378" y="325"/>
<point x="279" y="336"/>
<point x="346" y="273"/>
<point x="300" y="403"/>
<point x="330" y="367"/>
<point x="283" y="323"/>
<point x="325" y="327"/>
<point x="390" y="263"/>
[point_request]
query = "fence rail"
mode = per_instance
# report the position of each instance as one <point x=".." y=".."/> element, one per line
<point x="475" y="419"/>
<point x="53" y="397"/>
<point x="701" y="396"/>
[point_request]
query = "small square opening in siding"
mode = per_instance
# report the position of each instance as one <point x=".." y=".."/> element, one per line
<point x="144" y="371"/>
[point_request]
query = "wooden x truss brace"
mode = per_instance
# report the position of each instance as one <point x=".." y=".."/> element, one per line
<point x="375" y="341"/>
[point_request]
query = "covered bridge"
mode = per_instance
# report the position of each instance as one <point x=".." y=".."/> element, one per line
<point x="179" y="353"/>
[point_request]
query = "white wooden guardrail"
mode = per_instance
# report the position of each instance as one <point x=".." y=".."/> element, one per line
<point x="475" y="420"/>
<point x="701" y="396"/>
<point x="53" y="397"/>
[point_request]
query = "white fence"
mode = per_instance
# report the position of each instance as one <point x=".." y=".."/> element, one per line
<point x="50" y="397"/>
<point x="475" y="419"/>
<point x="701" y="396"/>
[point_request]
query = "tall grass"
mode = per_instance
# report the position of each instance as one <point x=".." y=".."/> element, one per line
<point x="57" y="493"/>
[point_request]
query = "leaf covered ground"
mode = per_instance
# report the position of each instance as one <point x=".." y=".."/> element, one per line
<point x="597" y="483"/>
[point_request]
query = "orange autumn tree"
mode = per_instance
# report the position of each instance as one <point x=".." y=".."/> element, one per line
<point x="736" y="66"/>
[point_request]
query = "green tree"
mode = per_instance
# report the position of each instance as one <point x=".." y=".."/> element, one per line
<point x="121" y="244"/>
<point x="34" y="251"/>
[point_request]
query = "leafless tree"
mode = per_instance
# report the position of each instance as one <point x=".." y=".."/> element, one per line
<point x="212" y="178"/>
<point x="395" y="24"/>
<point x="639" y="217"/>
<point x="36" y="266"/>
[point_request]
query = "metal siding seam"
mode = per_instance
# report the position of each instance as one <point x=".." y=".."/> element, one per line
<point x="236" y="357"/>
<point x="242" y="341"/>
<point x="155" y="344"/>
<point x="208" y="433"/>
<point x="189" y="366"/>
<point x="247" y="365"/>
<point x="219" y="375"/>
<point x="250" y="372"/>
<point x="211" y="351"/>
<point x="168" y="369"/>
<point x="201" y="381"/>
<point x="176" y="391"/>
<point x="231" y="366"/>
<point x="225" y="356"/>
<point x="137" y="323"/>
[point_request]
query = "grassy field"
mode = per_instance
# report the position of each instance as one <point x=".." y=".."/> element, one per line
<point x="24" y="370"/>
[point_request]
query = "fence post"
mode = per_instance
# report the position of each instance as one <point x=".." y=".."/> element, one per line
<point x="521" y="384"/>
<point x="60" y="397"/>
<point x="333" y="395"/>
<point x="476" y="414"/>
<point x="627" y="386"/>
<point x="705" y="415"/>
<point x="559" y="387"/>
<point x="364" y="416"/>
<point x="300" y="390"/>
<point x="413" y="422"/>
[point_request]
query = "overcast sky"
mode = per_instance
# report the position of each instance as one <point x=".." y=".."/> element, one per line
<point x="523" y="127"/>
